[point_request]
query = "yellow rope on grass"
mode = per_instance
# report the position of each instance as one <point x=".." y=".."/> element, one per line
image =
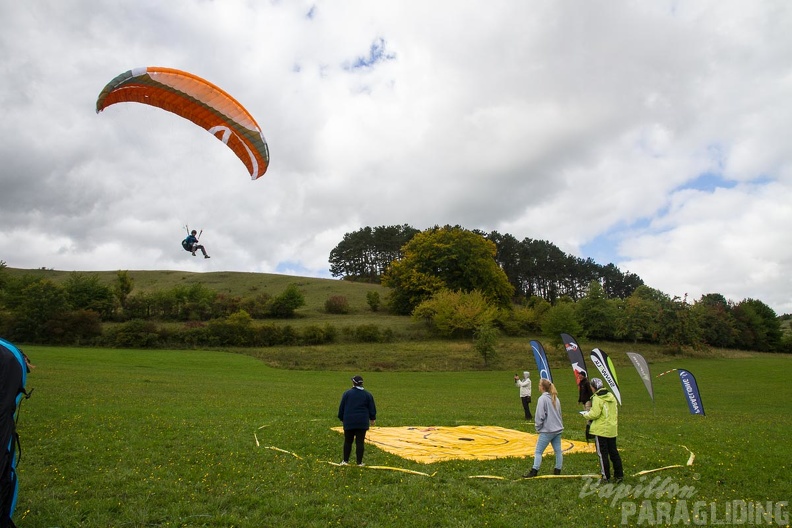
<point x="690" y="460"/>
<point x="389" y="468"/>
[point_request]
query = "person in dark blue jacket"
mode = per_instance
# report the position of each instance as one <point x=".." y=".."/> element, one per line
<point x="357" y="412"/>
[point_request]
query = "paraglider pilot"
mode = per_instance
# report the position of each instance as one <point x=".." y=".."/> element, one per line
<point x="191" y="244"/>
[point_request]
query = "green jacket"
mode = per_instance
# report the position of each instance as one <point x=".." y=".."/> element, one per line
<point x="604" y="414"/>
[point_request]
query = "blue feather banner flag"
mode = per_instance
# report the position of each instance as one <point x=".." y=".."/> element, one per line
<point x="691" y="390"/>
<point x="541" y="361"/>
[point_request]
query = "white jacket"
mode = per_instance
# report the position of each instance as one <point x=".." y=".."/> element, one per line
<point x="524" y="384"/>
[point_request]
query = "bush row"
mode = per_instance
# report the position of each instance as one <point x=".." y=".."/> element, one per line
<point x="231" y="332"/>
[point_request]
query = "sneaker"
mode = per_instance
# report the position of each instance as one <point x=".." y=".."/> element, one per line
<point x="361" y="464"/>
<point x="619" y="480"/>
<point x="604" y="481"/>
<point x="344" y="463"/>
<point x="556" y="471"/>
<point x="532" y="473"/>
<point x="193" y="253"/>
<point x="207" y="256"/>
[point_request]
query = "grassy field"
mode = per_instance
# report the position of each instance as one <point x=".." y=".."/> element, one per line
<point x="122" y="438"/>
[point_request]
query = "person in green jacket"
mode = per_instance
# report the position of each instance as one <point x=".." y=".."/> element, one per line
<point x="604" y="416"/>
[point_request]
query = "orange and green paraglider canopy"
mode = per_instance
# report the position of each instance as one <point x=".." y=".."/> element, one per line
<point x="197" y="100"/>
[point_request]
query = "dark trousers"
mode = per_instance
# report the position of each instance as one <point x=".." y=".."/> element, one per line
<point x="606" y="449"/>
<point x="526" y="401"/>
<point x="359" y="437"/>
<point x="198" y="247"/>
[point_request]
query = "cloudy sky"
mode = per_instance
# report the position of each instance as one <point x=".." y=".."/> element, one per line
<point x="654" y="134"/>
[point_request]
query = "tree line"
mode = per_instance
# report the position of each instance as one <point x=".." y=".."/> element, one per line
<point x="534" y="268"/>
<point x="462" y="282"/>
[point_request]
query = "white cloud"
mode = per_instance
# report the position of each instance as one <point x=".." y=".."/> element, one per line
<point x="565" y="121"/>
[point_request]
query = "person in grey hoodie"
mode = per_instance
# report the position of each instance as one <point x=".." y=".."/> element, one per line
<point x="549" y="425"/>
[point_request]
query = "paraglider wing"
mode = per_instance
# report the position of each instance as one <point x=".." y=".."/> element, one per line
<point x="197" y="100"/>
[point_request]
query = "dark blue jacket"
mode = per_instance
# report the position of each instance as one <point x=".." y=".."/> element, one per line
<point x="357" y="409"/>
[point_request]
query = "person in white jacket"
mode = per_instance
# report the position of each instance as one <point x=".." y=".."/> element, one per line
<point x="525" y="392"/>
<point x="549" y="425"/>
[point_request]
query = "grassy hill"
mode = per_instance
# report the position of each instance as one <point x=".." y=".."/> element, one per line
<point x="414" y="348"/>
<point x="316" y="291"/>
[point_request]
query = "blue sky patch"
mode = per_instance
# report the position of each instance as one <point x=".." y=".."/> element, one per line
<point x="603" y="249"/>
<point x="708" y="182"/>
<point x="289" y="267"/>
<point x="377" y="54"/>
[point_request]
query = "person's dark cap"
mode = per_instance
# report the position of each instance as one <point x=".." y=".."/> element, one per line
<point x="357" y="380"/>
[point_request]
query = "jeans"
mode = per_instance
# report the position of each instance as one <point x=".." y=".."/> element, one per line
<point x="541" y="445"/>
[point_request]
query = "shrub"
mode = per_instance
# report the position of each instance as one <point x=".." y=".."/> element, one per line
<point x="373" y="300"/>
<point x="387" y="336"/>
<point x="78" y="327"/>
<point x="290" y="335"/>
<point x="561" y="318"/>
<point x="313" y="335"/>
<point x="193" y="333"/>
<point x="276" y="335"/>
<point x="486" y="339"/>
<point x="269" y="335"/>
<point x="518" y="321"/>
<point x="368" y="333"/>
<point x="257" y="306"/>
<point x="286" y="303"/>
<point x="135" y="334"/>
<point x="225" y="305"/>
<point x="331" y="333"/>
<point x="234" y="330"/>
<point x="456" y="314"/>
<point x="337" y="304"/>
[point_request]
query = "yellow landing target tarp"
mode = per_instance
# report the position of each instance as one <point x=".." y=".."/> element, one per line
<point x="464" y="442"/>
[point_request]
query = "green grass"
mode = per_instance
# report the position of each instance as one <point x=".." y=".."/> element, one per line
<point x="123" y="438"/>
<point x="431" y="354"/>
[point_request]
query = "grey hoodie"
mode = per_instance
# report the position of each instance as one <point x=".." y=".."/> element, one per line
<point x="548" y="416"/>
